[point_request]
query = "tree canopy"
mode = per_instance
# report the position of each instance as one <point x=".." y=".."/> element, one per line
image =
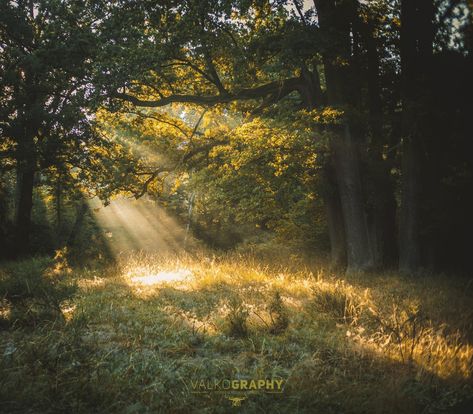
<point x="347" y="118"/>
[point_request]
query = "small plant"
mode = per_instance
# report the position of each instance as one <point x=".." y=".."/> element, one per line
<point x="406" y="328"/>
<point x="34" y="290"/>
<point x="338" y="300"/>
<point x="237" y="318"/>
<point x="278" y="313"/>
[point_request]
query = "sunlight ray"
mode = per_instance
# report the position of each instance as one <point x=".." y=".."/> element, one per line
<point x="134" y="225"/>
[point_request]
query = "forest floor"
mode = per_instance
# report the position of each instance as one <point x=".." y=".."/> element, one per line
<point x="189" y="333"/>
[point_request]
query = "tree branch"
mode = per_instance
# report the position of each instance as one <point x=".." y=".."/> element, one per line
<point x="280" y="88"/>
<point x="161" y="120"/>
<point x="203" y="148"/>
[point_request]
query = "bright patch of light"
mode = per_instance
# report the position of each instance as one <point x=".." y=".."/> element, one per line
<point x="138" y="225"/>
<point x="171" y="276"/>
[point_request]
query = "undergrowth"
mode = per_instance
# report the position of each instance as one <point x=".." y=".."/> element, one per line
<point x="136" y="335"/>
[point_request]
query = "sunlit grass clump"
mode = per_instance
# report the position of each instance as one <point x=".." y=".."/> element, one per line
<point x="139" y="332"/>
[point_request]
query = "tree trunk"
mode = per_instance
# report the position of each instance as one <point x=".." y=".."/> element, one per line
<point x="336" y="228"/>
<point x="58" y="204"/>
<point x="416" y="52"/>
<point x="82" y="209"/>
<point x="382" y="215"/>
<point x="347" y="166"/>
<point x="409" y="232"/>
<point x="336" y="19"/>
<point x="382" y="205"/>
<point x="25" y="171"/>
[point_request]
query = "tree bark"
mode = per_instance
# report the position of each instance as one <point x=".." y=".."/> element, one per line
<point x="82" y="209"/>
<point x="416" y="52"/>
<point x="25" y="170"/>
<point x="336" y="228"/>
<point x="335" y="20"/>
<point x="347" y="166"/>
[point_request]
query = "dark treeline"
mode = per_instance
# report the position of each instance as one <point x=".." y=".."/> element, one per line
<point x="385" y="84"/>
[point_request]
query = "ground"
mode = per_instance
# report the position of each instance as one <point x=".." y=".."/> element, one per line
<point x="140" y="334"/>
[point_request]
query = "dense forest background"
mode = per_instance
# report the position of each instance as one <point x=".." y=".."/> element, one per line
<point x="336" y="126"/>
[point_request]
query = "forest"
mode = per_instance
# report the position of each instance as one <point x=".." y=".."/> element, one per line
<point x="249" y="206"/>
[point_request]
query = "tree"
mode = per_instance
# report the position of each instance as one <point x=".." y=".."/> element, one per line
<point x="430" y="33"/>
<point x="341" y="56"/>
<point x="416" y="57"/>
<point x="268" y="56"/>
<point x="46" y="49"/>
<point x="47" y="115"/>
<point x="358" y="77"/>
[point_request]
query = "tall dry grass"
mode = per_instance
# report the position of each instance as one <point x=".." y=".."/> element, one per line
<point x="139" y="331"/>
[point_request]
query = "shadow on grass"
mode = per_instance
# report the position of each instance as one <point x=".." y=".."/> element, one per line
<point x="125" y="353"/>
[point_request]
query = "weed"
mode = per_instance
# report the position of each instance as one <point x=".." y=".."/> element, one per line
<point x="339" y="300"/>
<point x="278" y="313"/>
<point x="34" y="290"/>
<point x="237" y="318"/>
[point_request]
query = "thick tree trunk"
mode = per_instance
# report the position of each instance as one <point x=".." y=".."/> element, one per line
<point x="347" y="166"/>
<point x="416" y="52"/>
<point x="313" y="97"/>
<point x="336" y="19"/>
<point x="82" y="209"/>
<point x="409" y="240"/>
<point x="336" y="227"/>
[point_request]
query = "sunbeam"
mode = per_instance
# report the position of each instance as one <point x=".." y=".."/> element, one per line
<point x="138" y="225"/>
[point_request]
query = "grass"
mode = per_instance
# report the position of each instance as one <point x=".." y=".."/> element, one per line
<point x="139" y="333"/>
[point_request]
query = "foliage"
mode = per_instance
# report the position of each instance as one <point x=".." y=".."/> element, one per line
<point x="263" y="175"/>
<point x="231" y="104"/>
<point x="236" y="318"/>
<point x="34" y="290"/>
<point x="278" y="313"/>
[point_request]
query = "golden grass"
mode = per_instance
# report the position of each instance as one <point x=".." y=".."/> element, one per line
<point x="148" y="325"/>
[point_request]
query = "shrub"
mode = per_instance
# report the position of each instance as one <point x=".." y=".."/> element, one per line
<point x="34" y="290"/>
<point x="339" y="300"/>
<point x="237" y="318"/>
<point x="278" y="313"/>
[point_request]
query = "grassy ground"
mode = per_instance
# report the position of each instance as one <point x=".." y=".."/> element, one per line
<point x="138" y="335"/>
